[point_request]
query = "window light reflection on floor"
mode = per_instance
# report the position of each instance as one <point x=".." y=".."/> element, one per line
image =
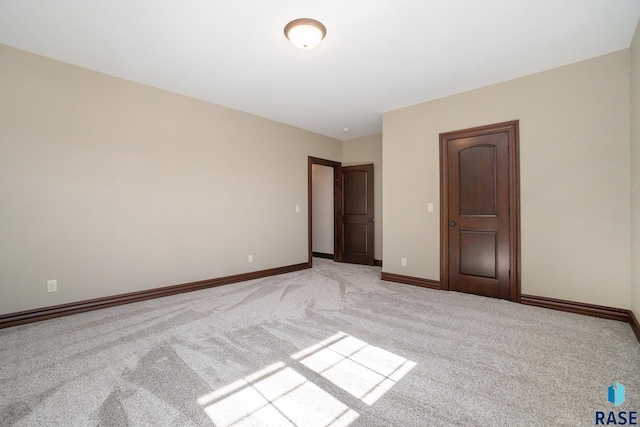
<point x="362" y="370"/>
<point x="275" y="396"/>
<point x="280" y="395"/>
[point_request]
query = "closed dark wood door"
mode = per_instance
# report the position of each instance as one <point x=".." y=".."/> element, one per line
<point x="356" y="222"/>
<point x="478" y="225"/>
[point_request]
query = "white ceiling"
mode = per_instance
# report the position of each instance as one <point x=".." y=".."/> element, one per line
<point x="378" y="55"/>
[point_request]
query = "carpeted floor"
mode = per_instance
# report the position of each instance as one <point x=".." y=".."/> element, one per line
<point x="333" y="345"/>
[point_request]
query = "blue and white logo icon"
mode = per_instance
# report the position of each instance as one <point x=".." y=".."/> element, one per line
<point x="616" y="394"/>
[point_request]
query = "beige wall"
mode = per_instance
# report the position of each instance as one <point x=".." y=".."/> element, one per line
<point x="574" y="153"/>
<point x="110" y="186"/>
<point x="635" y="173"/>
<point x="365" y="150"/>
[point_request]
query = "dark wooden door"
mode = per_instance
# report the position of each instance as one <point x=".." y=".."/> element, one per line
<point x="478" y="225"/>
<point x="356" y="220"/>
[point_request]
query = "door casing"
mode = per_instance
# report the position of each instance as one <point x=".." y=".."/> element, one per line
<point x="512" y="128"/>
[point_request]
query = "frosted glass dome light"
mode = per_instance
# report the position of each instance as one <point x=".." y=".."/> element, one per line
<point x="305" y="33"/>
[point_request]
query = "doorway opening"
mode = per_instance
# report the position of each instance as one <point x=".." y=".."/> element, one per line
<point x="320" y="166"/>
<point x="323" y="211"/>
<point x="353" y="208"/>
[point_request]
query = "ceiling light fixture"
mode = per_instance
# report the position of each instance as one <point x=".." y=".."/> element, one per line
<point x="305" y="33"/>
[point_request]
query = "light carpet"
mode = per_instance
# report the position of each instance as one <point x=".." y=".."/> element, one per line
<point x="332" y="345"/>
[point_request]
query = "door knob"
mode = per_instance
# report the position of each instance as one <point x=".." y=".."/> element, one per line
<point x="452" y="223"/>
<point x="370" y="219"/>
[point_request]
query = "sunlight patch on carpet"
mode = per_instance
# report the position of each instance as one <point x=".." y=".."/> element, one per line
<point x="275" y="396"/>
<point x="360" y="369"/>
<point x="278" y="395"/>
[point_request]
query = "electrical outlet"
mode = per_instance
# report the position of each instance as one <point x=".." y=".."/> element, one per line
<point x="250" y="259"/>
<point x="297" y="208"/>
<point x="52" y="285"/>
<point x="403" y="262"/>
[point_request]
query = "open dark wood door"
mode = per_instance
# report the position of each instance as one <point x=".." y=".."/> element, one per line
<point x="480" y="220"/>
<point x="356" y="222"/>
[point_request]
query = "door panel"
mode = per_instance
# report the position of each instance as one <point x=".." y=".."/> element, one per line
<point x="478" y="253"/>
<point x="355" y="238"/>
<point x="478" y="245"/>
<point x="354" y="192"/>
<point x="357" y="221"/>
<point x="477" y="180"/>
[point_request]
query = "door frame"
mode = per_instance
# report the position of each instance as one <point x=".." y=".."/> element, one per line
<point x="337" y="196"/>
<point x="512" y="127"/>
